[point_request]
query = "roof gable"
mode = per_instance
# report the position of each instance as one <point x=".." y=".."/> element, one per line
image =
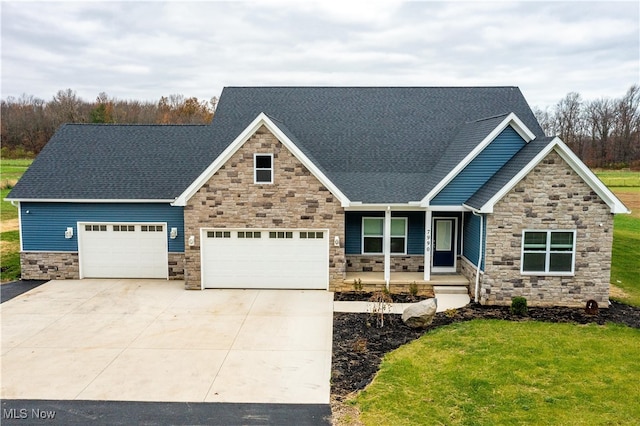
<point x="522" y="163"/>
<point x="285" y="138"/>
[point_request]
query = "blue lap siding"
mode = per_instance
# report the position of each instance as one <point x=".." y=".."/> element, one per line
<point x="472" y="238"/>
<point x="479" y="171"/>
<point x="44" y="224"/>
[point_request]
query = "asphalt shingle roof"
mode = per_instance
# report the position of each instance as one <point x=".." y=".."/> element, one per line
<point x="112" y="162"/>
<point x="377" y="144"/>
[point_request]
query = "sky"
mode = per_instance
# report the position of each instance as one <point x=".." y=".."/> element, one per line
<point x="144" y="50"/>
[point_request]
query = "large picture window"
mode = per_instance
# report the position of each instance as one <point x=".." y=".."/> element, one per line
<point x="548" y="252"/>
<point x="373" y="235"/>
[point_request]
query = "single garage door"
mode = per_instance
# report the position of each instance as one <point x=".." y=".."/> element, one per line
<point x="123" y="250"/>
<point x="249" y="258"/>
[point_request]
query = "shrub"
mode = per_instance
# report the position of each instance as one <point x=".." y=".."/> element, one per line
<point x="519" y="306"/>
<point x="413" y="289"/>
<point x="381" y="301"/>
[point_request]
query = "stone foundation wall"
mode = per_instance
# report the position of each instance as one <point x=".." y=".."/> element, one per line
<point x="469" y="270"/>
<point x="552" y="196"/>
<point x="231" y="199"/>
<point x="368" y="263"/>
<point x="49" y="266"/>
<point x="66" y="266"/>
<point x="176" y="266"/>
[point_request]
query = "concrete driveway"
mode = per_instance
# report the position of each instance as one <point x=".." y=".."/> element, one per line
<point x="151" y="340"/>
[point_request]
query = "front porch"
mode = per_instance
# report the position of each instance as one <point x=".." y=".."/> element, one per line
<point x="401" y="282"/>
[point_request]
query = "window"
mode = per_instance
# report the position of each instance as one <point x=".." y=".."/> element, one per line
<point x="263" y="168"/>
<point x="273" y="234"/>
<point x="124" y="228"/>
<point x="399" y="235"/>
<point x="373" y="235"/>
<point x="249" y="234"/>
<point x="218" y="234"/>
<point x="311" y="235"/>
<point x="151" y="228"/>
<point x="548" y="252"/>
<point x="95" y="228"/>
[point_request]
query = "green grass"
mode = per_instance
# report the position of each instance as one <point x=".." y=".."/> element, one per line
<point x="619" y="178"/>
<point x="625" y="263"/>
<point x="490" y="372"/>
<point x="10" y="172"/>
<point x="10" y="256"/>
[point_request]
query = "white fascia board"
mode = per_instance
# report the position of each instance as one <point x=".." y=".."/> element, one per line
<point x="88" y="200"/>
<point x="510" y="120"/>
<point x="364" y="207"/>
<point x="260" y="120"/>
<point x="575" y="163"/>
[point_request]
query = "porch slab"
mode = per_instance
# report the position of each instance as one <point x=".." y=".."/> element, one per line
<point x="405" y="278"/>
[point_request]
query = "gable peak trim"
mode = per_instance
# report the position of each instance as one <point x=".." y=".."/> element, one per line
<point x="557" y="145"/>
<point x="270" y="123"/>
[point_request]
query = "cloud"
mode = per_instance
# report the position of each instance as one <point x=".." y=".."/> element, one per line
<point x="145" y="50"/>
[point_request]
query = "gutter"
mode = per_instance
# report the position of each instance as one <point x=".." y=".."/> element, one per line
<point x="477" y="290"/>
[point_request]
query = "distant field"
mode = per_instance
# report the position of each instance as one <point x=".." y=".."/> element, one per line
<point x="619" y="178"/>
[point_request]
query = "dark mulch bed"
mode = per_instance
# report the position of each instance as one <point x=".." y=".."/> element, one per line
<point x="358" y="345"/>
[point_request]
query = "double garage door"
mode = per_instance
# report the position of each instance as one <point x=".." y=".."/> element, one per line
<point x="250" y="258"/>
<point x="123" y="250"/>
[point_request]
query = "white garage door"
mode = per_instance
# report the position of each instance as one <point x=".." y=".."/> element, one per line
<point x="123" y="250"/>
<point x="248" y="258"/>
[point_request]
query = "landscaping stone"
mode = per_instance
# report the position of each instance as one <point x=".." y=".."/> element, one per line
<point x="420" y="315"/>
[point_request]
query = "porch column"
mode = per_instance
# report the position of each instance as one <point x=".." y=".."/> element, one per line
<point x="427" y="245"/>
<point x="387" y="246"/>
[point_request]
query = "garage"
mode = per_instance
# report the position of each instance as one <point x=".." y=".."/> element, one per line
<point x="123" y="250"/>
<point x="257" y="258"/>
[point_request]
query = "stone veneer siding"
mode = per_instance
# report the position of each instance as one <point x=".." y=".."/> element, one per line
<point x="552" y="196"/>
<point x="176" y="266"/>
<point x="49" y="266"/>
<point x="66" y="266"/>
<point x="399" y="263"/>
<point x="231" y="199"/>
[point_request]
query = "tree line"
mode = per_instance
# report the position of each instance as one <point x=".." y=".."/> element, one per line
<point x="28" y="122"/>
<point x="603" y="132"/>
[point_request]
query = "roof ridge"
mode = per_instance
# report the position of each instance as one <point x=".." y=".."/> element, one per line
<point x="135" y="125"/>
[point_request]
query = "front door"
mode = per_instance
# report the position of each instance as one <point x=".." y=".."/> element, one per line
<point x="444" y="244"/>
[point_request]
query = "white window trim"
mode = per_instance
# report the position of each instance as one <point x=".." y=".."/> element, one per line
<point x="405" y="236"/>
<point x="547" y="252"/>
<point x="255" y="168"/>
<point x="371" y="236"/>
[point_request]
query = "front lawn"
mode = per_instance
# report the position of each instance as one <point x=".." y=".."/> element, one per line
<point x="9" y="256"/>
<point x="488" y="372"/>
<point x="625" y="266"/>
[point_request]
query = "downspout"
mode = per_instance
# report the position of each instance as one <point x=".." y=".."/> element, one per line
<point x="475" y="299"/>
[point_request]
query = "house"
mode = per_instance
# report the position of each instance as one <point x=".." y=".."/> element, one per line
<point x="322" y="187"/>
